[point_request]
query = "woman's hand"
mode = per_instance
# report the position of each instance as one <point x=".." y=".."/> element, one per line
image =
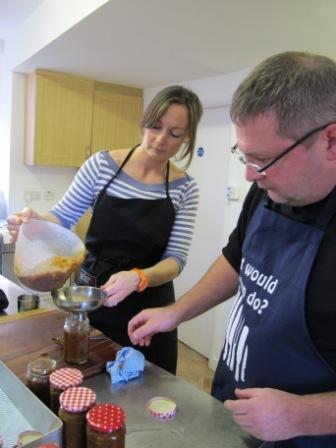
<point x="119" y="286"/>
<point x="14" y="221"/>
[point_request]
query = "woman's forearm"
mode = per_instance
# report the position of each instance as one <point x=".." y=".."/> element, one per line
<point x="162" y="272"/>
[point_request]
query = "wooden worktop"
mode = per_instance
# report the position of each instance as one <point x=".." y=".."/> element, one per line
<point x="27" y="335"/>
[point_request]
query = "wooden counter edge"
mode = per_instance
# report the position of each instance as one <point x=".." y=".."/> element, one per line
<point x="23" y="315"/>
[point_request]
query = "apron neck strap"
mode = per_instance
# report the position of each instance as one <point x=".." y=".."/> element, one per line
<point x="121" y="167"/>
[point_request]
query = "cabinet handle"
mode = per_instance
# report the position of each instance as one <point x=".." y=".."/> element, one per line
<point x="87" y="151"/>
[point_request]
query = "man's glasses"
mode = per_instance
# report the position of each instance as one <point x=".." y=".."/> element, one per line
<point x="261" y="170"/>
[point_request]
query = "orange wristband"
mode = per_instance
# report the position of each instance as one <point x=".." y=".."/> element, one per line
<point x="143" y="280"/>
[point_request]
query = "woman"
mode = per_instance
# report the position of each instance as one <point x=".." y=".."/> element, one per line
<point x="143" y="216"/>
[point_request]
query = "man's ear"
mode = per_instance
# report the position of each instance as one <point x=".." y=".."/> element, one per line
<point x="331" y="137"/>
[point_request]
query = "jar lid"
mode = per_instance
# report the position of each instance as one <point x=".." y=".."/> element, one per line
<point x="105" y="417"/>
<point x="48" y="445"/>
<point x="66" y="377"/>
<point x="77" y="399"/>
<point x="162" y="408"/>
<point x="41" y="366"/>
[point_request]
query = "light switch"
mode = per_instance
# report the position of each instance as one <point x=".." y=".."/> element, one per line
<point x="233" y="193"/>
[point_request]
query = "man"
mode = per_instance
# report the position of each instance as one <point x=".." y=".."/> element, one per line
<point x="277" y="370"/>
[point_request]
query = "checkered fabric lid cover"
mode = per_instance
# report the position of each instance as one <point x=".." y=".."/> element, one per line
<point x="66" y="377"/>
<point x="105" y="417"/>
<point x="162" y="408"/>
<point x="77" y="399"/>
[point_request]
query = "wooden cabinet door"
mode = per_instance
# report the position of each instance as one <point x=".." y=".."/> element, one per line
<point x="59" y="119"/>
<point x="117" y="112"/>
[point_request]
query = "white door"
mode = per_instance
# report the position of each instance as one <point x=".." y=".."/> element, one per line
<point x="210" y="169"/>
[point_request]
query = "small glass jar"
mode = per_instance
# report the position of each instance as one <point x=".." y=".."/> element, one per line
<point x="76" y="339"/>
<point x="60" y="380"/>
<point x="74" y="404"/>
<point x="38" y="373"/>
<point x="105" y="426"/>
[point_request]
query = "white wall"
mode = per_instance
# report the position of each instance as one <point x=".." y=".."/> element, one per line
<point x="214" y="91"/>
<point x="5" y="125"/>
<point x="46" y="23"/>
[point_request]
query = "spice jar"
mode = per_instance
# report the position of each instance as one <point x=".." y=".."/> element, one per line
<point x="76" y="339"/>
<point x="74" y="403"/>
<point x="105" y="426"/>
<point x="38" y="372"/>
<point x="60" y="380"/>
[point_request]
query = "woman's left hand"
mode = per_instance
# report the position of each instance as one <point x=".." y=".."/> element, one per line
<point x="119" y="286"/>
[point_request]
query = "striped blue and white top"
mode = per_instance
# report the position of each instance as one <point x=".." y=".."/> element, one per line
<point x="98" y="170"/>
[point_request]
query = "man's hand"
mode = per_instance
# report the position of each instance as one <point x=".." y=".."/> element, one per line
<point x="149" y="322"/>
<point x="268" y="414"/>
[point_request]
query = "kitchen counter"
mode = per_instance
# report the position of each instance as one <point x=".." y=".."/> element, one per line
<point x="12" y="291"/>
<point x="201" y="420"/>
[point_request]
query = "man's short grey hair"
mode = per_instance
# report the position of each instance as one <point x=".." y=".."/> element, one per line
<point x="298" y="87"/>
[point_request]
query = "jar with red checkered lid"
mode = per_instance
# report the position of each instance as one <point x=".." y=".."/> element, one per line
<point x="105" y="426"/>
<point x="74" y="404"/>
<point x="60" y="380"/>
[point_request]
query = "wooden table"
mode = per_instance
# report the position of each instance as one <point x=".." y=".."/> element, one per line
<point x="27" y="335"/>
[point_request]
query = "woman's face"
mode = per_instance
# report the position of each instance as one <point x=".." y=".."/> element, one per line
<point x="165" y="139"/>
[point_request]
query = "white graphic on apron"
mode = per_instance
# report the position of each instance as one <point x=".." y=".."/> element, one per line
<point x="236" y="350"/>
<point x="235" y="353"/>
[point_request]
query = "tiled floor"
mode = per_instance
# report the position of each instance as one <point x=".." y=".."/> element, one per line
<point x="193" y="367"/>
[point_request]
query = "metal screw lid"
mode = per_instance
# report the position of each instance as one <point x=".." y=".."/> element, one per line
<point x="162" y="408"/>
<point x="105" y="417"/>
<point x="41" y="367"/>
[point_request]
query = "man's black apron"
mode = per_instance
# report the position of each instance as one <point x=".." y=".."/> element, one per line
<point x="123" y="234"/>
<point x="267" y="342"/>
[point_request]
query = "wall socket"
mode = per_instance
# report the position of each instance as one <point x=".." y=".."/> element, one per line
<point x="30" y="196"/>
<point x="48" y="195"/>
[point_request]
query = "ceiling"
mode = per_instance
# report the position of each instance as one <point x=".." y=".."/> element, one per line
<point x="147" y="43"/>
<point x="13" y="12"/>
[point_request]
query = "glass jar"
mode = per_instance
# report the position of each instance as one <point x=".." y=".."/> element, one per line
<point x="38" y="373"/>
<point x="105" y="426"/>
<point x="60" y="380"/>
<point x="76" y="339"/>
<point x="74" y="404"/>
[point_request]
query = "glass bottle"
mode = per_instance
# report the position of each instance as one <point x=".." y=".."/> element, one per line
<point x="38" y="373"/>
<point x="74" y="404"/>
<point x="76" y="339"/>
<point x="105" y="426"/>
<point x="60" y="380"/>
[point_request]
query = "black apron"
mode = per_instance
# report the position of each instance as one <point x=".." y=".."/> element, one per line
<point x="267" y="342"/>
<point x="123" y="234"/>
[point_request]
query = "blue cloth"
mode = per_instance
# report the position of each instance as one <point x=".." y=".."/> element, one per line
<point x="129" y="364"/>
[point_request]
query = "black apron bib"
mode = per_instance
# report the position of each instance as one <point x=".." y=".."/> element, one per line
<point x="267" y="342"/>
<point x="123" y="234"/>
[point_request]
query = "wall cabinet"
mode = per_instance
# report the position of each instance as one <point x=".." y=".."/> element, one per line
<point x="68" y="118"/>
<point x="116" y="117"/>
